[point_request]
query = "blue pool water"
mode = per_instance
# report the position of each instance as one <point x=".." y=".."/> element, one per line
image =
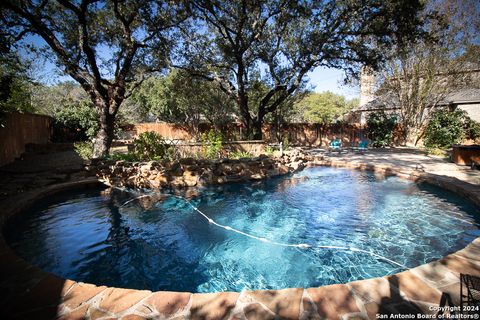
<point x="162" y="243"/>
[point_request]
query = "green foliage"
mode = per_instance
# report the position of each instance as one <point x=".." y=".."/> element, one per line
<point x="212" y="144"/>
<point x="129" y="157"/>
<point x="429" y="68"/>
<point x="75" y="120"/>
<point x="235" y="40"/>
<point x="444" y="129"/>
<point x="181" y="98"/>
<point x="151" y="146"/>
<point x="51" y="99"/>
<point x="324" y="107"/>
<point x="285" y="143"/>
<point x="437" y="152"/>
<point x="380" y="128"/>
<point x="472" y="129"/>
<point x="84" y="149"/>
<point x="240" y="154"/>
<point x="15" y="95"/>
<point x="107" y="46"/>
<point x="269" y="150"/>
<point x="15" y="86"/>
<point x="75" y="116"/>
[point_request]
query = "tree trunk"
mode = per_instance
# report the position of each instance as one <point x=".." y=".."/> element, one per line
<point x="411" y="136"/>
<point x="257" y="129"/>
<point x="242" y="102"/>
<point x="103" y="140"/>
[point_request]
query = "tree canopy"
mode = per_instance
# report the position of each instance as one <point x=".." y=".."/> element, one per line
<point x="421" y="76"/>
<point x="256" y="54"/>
<point x="106" y="46"/>
<point x="15" y="83"/>
<point x="280" y="41"/>
<point x="178" y="98"/>
<point x="325" y="107"/>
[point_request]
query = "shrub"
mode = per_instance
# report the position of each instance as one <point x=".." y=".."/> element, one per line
<point x="437" y="152"/>
<point x="286" y="143"/>
<point x="84" y="149"/>
<point x="269" y="150"/>
<point x="380" y="128"/>
<point x="212" y="144"/>
<point x="444" y="129"/>
<point x="472" y="129"/>
<point x="240" y="154"/>
<point x="129" y="157"/>
<point x="78" y="121"/>
<point x="75" y="121"/>
<point x="151" y="146"/>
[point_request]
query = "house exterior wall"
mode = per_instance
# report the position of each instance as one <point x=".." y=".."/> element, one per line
<point x="472" y="109"/>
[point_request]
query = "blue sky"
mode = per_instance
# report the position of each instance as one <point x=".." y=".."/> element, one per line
<point x="324" y="79"/>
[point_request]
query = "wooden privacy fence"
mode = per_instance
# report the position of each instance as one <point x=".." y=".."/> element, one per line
<point x="304" y="134"/>
<point x="21" y="129"/>
<point x="301" y="134"/>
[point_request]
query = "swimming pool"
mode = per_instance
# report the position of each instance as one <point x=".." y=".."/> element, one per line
<point x="122" y="238"/>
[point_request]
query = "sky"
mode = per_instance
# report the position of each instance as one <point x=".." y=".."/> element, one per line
<point x="325" y="79"/>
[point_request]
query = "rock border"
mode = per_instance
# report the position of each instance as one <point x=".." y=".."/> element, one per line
<point x="29" y="292"/>
<point x="190" y="172"/>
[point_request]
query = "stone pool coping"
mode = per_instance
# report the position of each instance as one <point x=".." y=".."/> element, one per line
<point x="28" y="292"/>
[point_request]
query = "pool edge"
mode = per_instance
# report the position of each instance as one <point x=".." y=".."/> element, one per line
<point x="31" y="292"/>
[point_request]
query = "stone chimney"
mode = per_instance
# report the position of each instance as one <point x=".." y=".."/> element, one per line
<point x="367" y="85"/>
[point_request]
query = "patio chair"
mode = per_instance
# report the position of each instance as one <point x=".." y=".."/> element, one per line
<point x="469" y="293"/>
<point x="335" y="144"/>
<point x="363" y="145"/>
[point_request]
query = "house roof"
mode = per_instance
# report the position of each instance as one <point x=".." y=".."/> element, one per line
<point x="385" y="102"/>
<point x="462" y="96"/>
<point x="389" y="101"/>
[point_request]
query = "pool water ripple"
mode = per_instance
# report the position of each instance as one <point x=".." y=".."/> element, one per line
<point x="108" y="237"/>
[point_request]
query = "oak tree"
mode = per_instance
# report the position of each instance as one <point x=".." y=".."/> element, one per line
<point x="183" y="100"/>
<point x="234" y="42"/>
<point x="107" y="46"/>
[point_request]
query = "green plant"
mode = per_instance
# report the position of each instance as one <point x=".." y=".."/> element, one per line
<point x="269" y="150"/>
<point x="75" y="121"/>
<point x="84" y="149"/>
<point x="444" y="129"/>
<point x="285" y="143"/>
<point x="151" y="146"/>
<point x="240" y="154"/>
<point x="129" y="157"/>
<point x="380" y="128"/>
<point x="212" y="144"/>
<point x="472" y="129"/>
<point x="437" y="152"/>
